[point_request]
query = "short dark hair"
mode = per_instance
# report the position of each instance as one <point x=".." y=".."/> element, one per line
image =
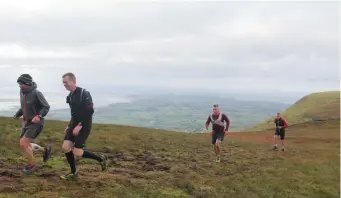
<point x="216" y="105"/>
<point x="70" y="75"/>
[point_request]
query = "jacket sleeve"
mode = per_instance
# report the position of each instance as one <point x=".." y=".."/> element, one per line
<point x="227" y="120"/>
<point x="44" y="104"/>
<point x="68" y="102"/>
<point x="19" y="113"/>
<point x="285" y="123"/>
<point x="88" y="104"/>
<point x="208" y="121"/>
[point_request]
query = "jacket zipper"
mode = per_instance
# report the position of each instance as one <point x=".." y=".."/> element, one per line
<point x="25" y="110"/>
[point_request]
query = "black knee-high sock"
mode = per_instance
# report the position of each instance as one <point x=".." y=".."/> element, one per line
<point x="71" y="160"/>
<point x="90" y="155"/>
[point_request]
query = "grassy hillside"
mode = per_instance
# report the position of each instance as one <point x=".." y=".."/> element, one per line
<point x="155" y="163"/>
<point x="313" y="107"/>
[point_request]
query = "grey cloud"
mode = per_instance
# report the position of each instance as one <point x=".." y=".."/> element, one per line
<point x="141" y="21"/>
<point x="148" y="43"/>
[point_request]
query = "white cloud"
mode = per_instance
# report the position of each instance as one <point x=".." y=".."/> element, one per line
<point x="173" y="44"/>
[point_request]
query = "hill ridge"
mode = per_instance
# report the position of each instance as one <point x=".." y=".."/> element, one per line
<point x="315" y="106"/>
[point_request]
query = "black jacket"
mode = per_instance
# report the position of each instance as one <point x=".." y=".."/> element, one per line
<point x="81" y="106"/>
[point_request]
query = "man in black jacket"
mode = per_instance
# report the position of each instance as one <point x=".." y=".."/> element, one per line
<point x="281" y="124"/>
<point x="34" y="108"/>
<point x="78" y="130"/>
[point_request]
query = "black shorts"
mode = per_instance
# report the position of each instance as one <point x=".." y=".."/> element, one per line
<point x="79" y="140"/>
<point x="217" y="136"/>
<point x="280" y="132"/>
<point x="31" y="130"/>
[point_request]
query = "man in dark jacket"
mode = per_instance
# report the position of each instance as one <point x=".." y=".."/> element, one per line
<point x="281" y="124"/>
<point x="219" y="130"/>
<point x="79" y="128"/>
<point x="34" y="108"/>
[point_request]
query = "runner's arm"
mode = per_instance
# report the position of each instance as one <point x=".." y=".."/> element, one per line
<point x="44" y="104"/>
<point x="227" y="120"/>
<point x="285" y="123"/>
<point x="208" y="122"/>
<point x="70" y="123"/>
<point x="89" y="108"/>
<point x="19" y="113"/>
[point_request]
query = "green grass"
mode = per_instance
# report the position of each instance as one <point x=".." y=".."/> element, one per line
<point x="316" y="106"/>
<point x="156" y="163"/>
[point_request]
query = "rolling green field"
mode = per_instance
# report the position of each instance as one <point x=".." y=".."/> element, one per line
<point x="180" y="112"/>
<point x="155" y="163"/>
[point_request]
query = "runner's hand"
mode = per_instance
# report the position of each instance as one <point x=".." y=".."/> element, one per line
<point x="65" y="131"/>
<point x="77" y="129"/>
<point x="36" y="119"/>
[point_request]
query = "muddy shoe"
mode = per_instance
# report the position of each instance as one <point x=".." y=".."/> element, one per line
<point x="29" y="168"/>
<point x="47" y="153"/>
<point x="69" y="176"/>
<point x="104" y="163"/>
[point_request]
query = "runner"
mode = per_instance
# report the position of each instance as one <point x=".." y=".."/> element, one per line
<point x="78" y="130"/>
<point x="281" y="124"/>
<point x="34" y="108"/>
<point x="217" y="119"/>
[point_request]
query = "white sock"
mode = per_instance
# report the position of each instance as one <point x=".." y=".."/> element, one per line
<point x="36" y="147"/>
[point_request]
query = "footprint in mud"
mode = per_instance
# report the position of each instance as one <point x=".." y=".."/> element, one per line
<point x="48" y="174"/>
<point x="9" y="173"/>
<point x="145" y="161"/>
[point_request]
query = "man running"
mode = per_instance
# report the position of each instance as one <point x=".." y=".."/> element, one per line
<point x="281" y="124"/>
<point x="217" y="119"/>
<point x="78" y="130"/>
<point x="34" y="108"/>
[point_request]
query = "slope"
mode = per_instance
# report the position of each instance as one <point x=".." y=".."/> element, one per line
<point x="313" y="107"/>
<point x="155" y="163"/>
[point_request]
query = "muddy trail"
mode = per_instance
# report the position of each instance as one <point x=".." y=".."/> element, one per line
<point x="127" y="165"/>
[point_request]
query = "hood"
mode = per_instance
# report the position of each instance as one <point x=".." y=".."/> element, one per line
<point x="29" y="89"/>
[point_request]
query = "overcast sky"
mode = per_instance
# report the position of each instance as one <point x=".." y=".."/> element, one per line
<point x="218" y="45"/>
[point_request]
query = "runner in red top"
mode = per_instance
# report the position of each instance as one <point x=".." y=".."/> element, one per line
<point x="217" y="119"/>
<point x="281" y="124"/>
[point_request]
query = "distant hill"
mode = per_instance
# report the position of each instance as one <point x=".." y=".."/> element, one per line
<point x="313" y="107"/>
<point x="176" y="112"/>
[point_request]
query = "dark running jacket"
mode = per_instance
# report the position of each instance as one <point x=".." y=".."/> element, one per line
<point x="281" y="122"/>
<point x="32" y="103"/>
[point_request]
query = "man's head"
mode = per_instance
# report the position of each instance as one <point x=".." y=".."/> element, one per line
<point x="24" y="81"/>
<point x="278" y="116"/>
<point x="69" y="81"/>
<point x="216" y="110"/>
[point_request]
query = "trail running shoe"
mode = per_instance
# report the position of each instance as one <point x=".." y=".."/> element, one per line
<point x="69" y="176"/>
<point x="217" y="160"/>
<point x="283" y="149"/>
<point x="29" y="168"/>
<point x="275" y="147"/>
<point x="47" y="153"/>
<point x="104" y="163"/>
